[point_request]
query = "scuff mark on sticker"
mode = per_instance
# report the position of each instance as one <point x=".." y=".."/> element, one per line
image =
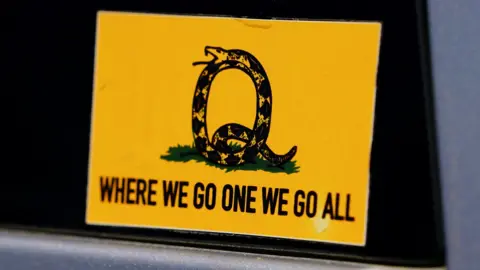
<point x="321" y="224"/>
<point x="254" y="25"/>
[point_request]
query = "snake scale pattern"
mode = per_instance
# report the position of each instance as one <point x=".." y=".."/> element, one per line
<point x="218" y="150"/>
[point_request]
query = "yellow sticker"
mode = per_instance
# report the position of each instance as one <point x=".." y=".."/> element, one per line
<point x="227" y="125"/>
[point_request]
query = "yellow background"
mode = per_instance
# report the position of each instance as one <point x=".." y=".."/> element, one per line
<point x="322" y="76"/>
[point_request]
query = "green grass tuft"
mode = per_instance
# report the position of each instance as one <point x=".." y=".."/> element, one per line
<point x="186" y="153"/>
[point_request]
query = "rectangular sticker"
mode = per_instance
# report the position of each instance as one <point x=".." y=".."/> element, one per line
<point x="228" y="125"/>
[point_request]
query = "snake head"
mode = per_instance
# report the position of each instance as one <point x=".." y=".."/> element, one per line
<point x="219" y="55"/>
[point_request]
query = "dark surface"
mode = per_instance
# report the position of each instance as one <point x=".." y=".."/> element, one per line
<point x="48" y="93"/>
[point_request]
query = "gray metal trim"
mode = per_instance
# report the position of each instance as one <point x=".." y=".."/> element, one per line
<point x="28" y="250"/>
<point x="455" y="45"/>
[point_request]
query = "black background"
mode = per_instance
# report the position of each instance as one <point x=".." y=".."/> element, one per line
<point x="49" y="63"/>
